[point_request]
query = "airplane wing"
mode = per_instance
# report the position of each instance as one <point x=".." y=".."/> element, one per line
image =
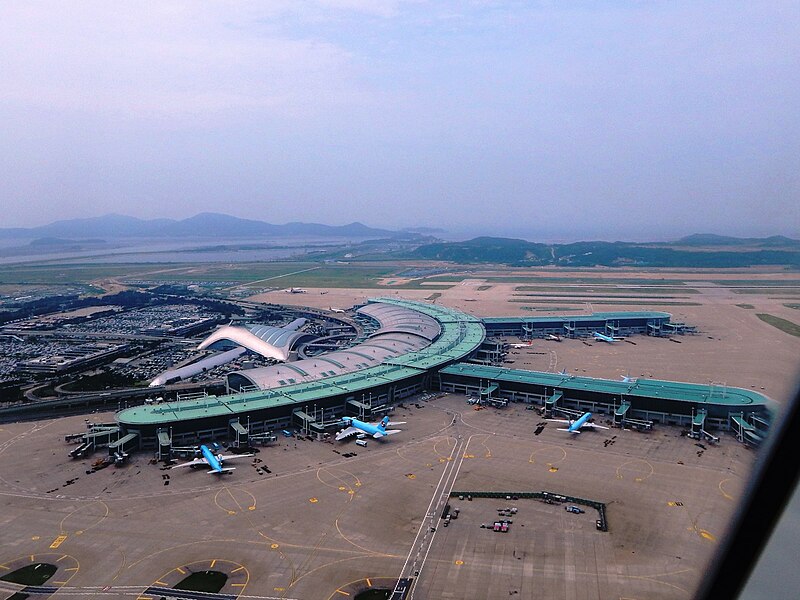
<point x="378" y="434"/>
<point x="347" y="433"/>
<point x="192" y="463"/>
<point x="595" y="426"/>
<point x="559" y="421"/>
<point x="234" y="456"/>
<point x="225" y="470"/>
<point x="396" y="423"/>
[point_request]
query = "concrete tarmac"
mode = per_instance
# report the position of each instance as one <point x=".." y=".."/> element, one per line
<point x="322" y="525"/>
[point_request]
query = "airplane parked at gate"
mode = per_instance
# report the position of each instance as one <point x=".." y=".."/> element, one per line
<point x="212" y="460"/>
<point x="527" y="344"/>
<point x="377" y="430"/>
<point x="553" y="338"/>
<point x="604" y="338"/>
<point x="575" y="425"/>
<point x="337" y="310"/>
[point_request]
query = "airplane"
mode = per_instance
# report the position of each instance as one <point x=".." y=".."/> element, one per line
<point x="628" y="379"/>
<point x="527" y="344"/>
<point x="553" y="338"/>
<point x="213" y="461"/>
<point x="295" y="290"/>
<point x="377" y="430"/>
<point x="575" y="425"/>
<point x="337" y="310"/>
<point x="604" y="338"/>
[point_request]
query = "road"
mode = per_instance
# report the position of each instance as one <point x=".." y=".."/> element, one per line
<point x="415" y="561"/>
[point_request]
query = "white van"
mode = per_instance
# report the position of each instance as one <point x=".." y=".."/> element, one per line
<point x="361" y="442"/>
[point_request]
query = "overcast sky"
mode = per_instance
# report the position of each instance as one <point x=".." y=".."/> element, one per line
<point x="556" y="119"/>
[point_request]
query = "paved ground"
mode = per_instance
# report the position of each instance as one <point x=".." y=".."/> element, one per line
<point x="323" y="526"/>
<point x="735" y="347"/>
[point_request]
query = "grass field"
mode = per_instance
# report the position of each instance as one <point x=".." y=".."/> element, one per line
<point x="613" y="302"/>
<point x="756" y="282"/>
<point x="607" y="290"/>
<point x="587" y="297"/>
<point x="277" y="274"/>
<point x="782" y="324"/>
<point x="553" y="308"/>
<point x="532" y="279"/>
<point x="765" y="290"/>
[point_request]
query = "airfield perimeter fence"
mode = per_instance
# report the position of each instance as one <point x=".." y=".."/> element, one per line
<point x="544" y="496"/>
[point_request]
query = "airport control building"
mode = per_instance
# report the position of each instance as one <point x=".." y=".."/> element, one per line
<point x="416" y="346"/>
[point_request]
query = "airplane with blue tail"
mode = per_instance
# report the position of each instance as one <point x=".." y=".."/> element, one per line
<point x="601" y="337"/>
<point x="377" y="430"/>
<point x="575" y="425"/>
<point x="212" y="460"/>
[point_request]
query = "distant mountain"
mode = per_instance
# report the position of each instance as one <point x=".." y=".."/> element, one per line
<point x="205" y="225"/>
<point x="486" y="250"/>
<point x="611" y="254"/>
<point x="711" y="240"/>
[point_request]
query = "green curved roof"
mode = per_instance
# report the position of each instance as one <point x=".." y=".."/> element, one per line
<point x="598" y="316"/>
<point x="730" y="397"/>
<point x="461" y="334"/>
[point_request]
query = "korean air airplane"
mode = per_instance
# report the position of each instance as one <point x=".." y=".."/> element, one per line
<point x="377" y="430"/>
<point x="212" y="460"/>
<point x="575" y="425"/>
<point x="604" y="338"/>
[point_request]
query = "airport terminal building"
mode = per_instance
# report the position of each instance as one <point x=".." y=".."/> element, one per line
<point x="416" y="346"/>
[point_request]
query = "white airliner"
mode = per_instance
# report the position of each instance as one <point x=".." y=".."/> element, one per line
<point x="337" y="310"/>
<point x="527" y="344"/>
<point x="575" y="425"/>
<point x="295" y="290"/>
<point x="377" y="430"/>
<point x="214" y="461"/>
<point x="605" y="338"/>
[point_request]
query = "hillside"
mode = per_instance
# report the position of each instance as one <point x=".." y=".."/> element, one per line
<point x="615" y="254"/>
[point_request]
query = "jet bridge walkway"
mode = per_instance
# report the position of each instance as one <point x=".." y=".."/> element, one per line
<point x="124" y="445"/>
<point x="552" y="402"/>
<point x="745" y="432"/>
<point x="619" y="414"/>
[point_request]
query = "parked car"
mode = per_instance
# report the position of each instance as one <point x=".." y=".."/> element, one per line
<point x="574" y="509"/>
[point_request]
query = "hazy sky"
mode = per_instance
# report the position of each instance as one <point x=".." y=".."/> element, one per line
<point x="638" y="120"/>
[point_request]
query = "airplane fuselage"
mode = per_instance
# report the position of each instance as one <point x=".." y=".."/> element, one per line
<point x="367" y="428"/>
<point x="209" y="457"/>
<point x="575" y="426"/>
<point x="603" y="338"/>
